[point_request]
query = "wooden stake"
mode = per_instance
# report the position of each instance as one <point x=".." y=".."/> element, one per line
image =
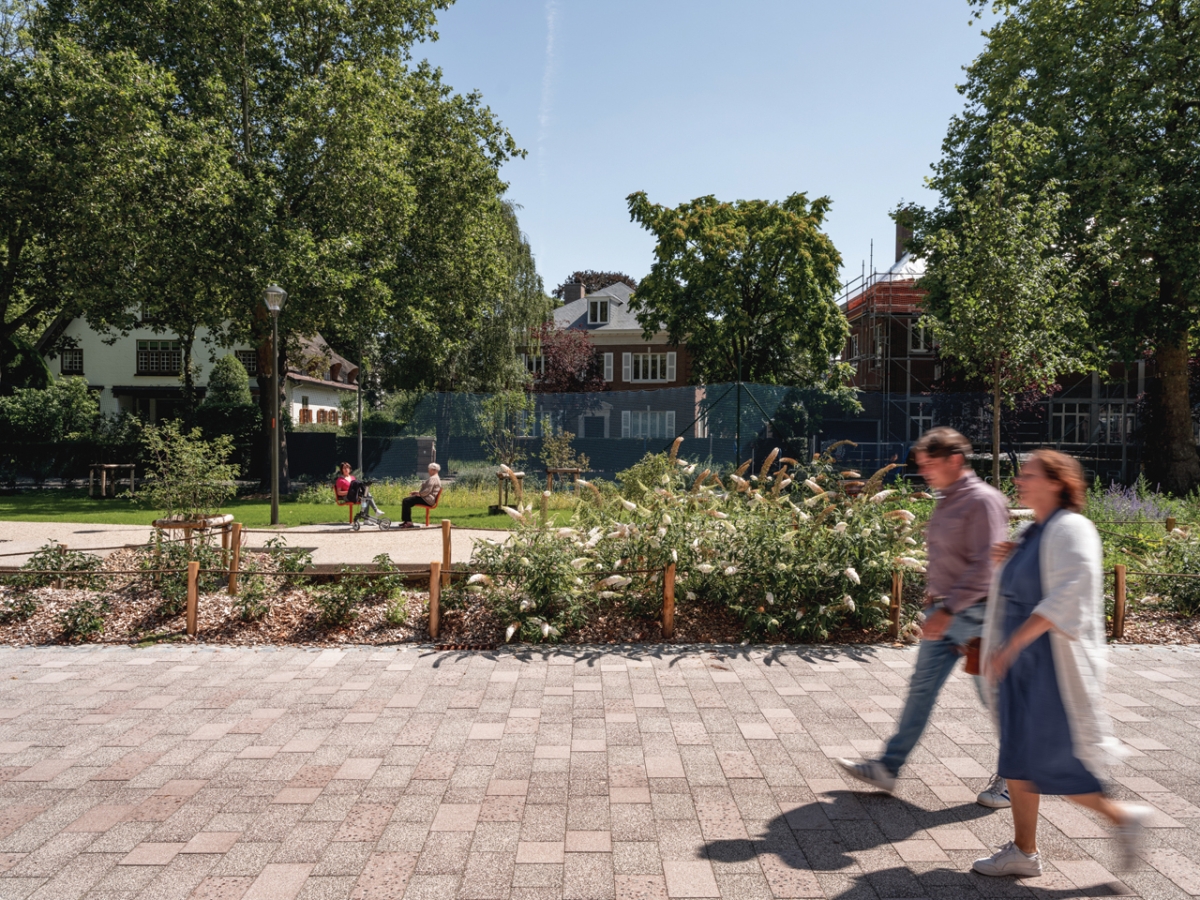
<point x="897" y="602"/>
<point x="545" y="508"/>
<point x="446" y="526"/>
<point x="193" y="596"/>
<point x="668" y="620"/>
<point x="435" y="584"/>
<point x="1118" y="628"/>
<point x="1170" y="524"/>
<point x="235" y="557"/>
<point x="57" y="582"/>
<point x="549" y="480"/>
<point x="225" y="546"/>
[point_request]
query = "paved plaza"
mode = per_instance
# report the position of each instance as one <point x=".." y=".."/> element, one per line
<point x="643" y="772"/>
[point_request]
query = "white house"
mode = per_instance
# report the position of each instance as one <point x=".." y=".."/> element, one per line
<point x="139" y="373"/>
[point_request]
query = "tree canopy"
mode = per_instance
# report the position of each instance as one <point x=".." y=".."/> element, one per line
<point x="749" y="286"/>
<point x="1115" y="81"/>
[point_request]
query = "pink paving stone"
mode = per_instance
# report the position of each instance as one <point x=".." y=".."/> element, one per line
<point x="950" y="837"/>
<point x="507" y="676"/>
<point x="360" y="718"/>
<point x="920" y="851"/>
<point x="825" y="785"/>
<point x="664" y="767"/>
<point x="965" y="767"/>
<point x="953" y="793"/>
<point x="358" y="769"/>
<point x="279" y="881"/>
<point x="100" y="818"/>
<point x="212" y="732"/>
<point x="404" y="701"/>
<point x="128" y="766"/>
<point x="302" y="745"/>
<point x="545" y="852"/>
<point x="211" y="842"/>
<point x="777" y="713"/>
<point x="182" y="787"/>
<point x="589" y="842"/>
<point x="501" y="788"/>
<point x="297" y="795"/>
<point x="648" y="701"/>
<point x="95" y="719"/>
<point x="589" y="746"/>
<point x="788" y="882"/>
<point x="53" y="678"/>
<point x="524" y="712"/>
<point x="280" y="677"/>
<point x="552" y="751"/>
<point x="1086" y="873"/>
<point x="738" y="764"/>
<point x="1177" y="697"/>
<point x="456" y="817"/>
<point x="690" y="879"/>
<point x="385" y="877"/>
<point x="1145" y="743"/>
<point x="757" y="731"/>
<point x="629" y="795"/>
<point x="619" y="718"/>
<point x="558" y="692"/>
<point x="46" y="770"/>
<point x="151" y="855"/>
<point x="486" y="731"/>
<point x="1177" y="867"/>
<point x="162" y="701"/>
<point x="641" y="887"/>
<point x="14" y="746"/>
<point x="216" y="888"/>
<point x="1142" y="785"/>
<point x="725" y="677"/>
<point x="815" y="687"/>
<point x="10" y="712"/>
<point x="258" y="753"/>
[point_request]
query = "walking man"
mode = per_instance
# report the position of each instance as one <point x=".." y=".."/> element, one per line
<point x="970" y="516"/>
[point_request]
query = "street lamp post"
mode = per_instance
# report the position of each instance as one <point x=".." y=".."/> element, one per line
<point x="274" y="297"/>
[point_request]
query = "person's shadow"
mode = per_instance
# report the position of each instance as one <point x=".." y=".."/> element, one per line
<point x="820" y="836"/>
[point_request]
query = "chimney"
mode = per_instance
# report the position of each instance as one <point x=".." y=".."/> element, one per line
<point x="903" y="232"/>
<point x="573" y="291"/>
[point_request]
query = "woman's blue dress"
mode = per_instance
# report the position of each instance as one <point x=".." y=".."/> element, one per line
<point x="1035" y="737"/>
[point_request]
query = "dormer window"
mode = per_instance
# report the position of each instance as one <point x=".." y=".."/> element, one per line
<point x="597" y="312"/>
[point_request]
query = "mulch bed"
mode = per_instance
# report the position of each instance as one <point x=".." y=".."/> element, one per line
<point x="134" y="617"/>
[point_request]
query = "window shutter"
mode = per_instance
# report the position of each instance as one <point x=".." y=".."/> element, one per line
<point x="671" y="367"/>
<point x="670" y="422"/>
<point x="608" y="367"/>
<point x="627" y="367"/>
<point x="625" y="417"/>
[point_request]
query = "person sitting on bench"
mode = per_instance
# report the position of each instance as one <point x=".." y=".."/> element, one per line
<point x="348" y="488"/>
<point x="425" y="495"/>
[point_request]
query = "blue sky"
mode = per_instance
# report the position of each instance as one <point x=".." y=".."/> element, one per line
<point x="754" y="99"/>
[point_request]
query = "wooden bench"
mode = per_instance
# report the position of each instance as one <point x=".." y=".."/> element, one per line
<point x="104" y="469"/>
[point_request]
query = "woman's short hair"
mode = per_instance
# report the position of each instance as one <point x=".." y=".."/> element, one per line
<point x="435" y="467"/>
<point x="942" y="443"/>
<point x="340" y="465"/>
<point x="1067" y="471"/>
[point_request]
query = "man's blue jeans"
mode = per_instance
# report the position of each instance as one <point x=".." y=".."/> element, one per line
<point x="935" y="662"/>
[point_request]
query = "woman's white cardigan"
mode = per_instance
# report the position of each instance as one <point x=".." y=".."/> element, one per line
<point x="1073" y="601"/>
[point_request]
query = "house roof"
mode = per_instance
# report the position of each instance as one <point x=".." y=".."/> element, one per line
<point x="906" y="269"/>
<point x="317" y="347"/>
<point x="620" y="318"/>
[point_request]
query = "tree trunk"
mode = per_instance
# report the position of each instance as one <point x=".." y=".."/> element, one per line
<point x="189" y="380"/>
<point x="1173" y="465"/>
<point x="996" y="424"/>
<point x="265" y="363"/>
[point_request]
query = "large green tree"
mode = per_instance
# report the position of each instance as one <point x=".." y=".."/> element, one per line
<point x="1118" y="83"/>
<point x="1002" y="301"/>
<point x="343" y="155"/>
<point x="748" y="286"/>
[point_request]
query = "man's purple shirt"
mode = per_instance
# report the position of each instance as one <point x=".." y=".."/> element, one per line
<point x="969" y="517"/>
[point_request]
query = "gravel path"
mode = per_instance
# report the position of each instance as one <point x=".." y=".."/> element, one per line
<point x="330" y="544"/>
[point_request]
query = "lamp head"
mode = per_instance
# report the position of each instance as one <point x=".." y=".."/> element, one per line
<point x="274" y="297"/>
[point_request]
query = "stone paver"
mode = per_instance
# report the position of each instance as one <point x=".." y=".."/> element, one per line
<point x="610" y="773"/>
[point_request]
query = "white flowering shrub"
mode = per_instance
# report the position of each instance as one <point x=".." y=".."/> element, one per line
<point x="794" y="550"/>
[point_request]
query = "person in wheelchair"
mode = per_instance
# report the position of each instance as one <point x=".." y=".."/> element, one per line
<point x="348" y="488"/>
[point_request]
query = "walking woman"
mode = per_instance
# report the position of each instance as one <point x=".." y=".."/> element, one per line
<point x="1044" y="657"/>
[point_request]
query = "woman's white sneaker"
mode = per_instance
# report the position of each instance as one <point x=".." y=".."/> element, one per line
<point x="870" y="771"/>
<point x="1010" y="860"/>
<point x="995" y="795"/>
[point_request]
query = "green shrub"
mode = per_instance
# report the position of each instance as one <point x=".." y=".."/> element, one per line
<point x="252" y="602"/>
<point x="288" y="562"/>
<point x="175" y="555"/>
<point x="187" y="476"/>
<point x="1180" y="555"/>
<point x="56" y="557"/>
<point x="228" y="383"/>
<point x="17" y="607"/>
<point x="340" y="600"/>
<point x="84" y="620"/>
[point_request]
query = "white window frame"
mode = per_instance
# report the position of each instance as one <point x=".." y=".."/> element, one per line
<point x="598" y="311"/>
<point x="647" y="368"/>
<point x="1077" y="413"/>
<point x="534" y="363"/>
<point x="73" y="353"/>
<point x="627" y="367"/>
<point x="249" y="361"/>
<point x="608" y="367"/>
<point x="919" y="338"/>
<point x="648" y="424"/>
<point x="854" y="345"/>
<point x="920" y="418"/>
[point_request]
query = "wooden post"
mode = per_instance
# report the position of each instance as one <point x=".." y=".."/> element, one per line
<point x="435" y="584"/>
<point x="545" y="508"/>
<point x="103" y="483"/>
<point x="549" y="480"/>
<point x="897" y="603"/>
<point x="235" y="557"/>
<point x="1170" y="524"/>
<point x="57" y="582"/>
<point x="1118" y="628"/>
<point x="446" y="562"/>
<point x="668" y="620"/>
<point x="193" y="596"/>
<point x="91" y="481"/>
<point x="225" y="546"/>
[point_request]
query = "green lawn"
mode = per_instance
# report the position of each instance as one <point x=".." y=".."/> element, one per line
<point x="76" y="506"/>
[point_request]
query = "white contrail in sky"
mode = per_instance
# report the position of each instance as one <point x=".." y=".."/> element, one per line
<point x="547" y="87"/>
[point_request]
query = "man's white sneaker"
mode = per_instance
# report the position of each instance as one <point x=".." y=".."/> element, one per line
<point x="870" y="771"/>
<point x="1009" y="860"/>
<point x="1130" y="833"/>
<point x="995" y="795"/>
